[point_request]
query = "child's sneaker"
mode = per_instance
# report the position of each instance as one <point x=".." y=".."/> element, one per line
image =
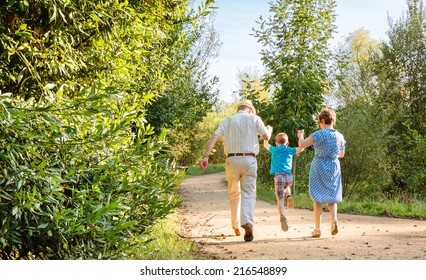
<point x="290" y="202"/>
<point x="284" y="224"/>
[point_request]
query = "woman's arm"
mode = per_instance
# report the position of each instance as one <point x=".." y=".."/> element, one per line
<point x="304" y="143"/>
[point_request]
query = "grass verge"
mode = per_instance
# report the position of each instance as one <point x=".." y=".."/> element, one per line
<point x="165" y="243"/>
<point x="400" y="208"/>
<point x="211" y="168"/>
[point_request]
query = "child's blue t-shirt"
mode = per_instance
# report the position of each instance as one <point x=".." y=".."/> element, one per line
<point x="281" y="158"/>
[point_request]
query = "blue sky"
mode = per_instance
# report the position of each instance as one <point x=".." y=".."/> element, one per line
<point x="236" y="18"/>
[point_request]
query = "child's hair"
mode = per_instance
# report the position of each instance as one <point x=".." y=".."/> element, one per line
<point x="281" y="138"/>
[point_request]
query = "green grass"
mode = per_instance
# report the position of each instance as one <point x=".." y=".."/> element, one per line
<point x="401" y="207"/>
<point x="211" y="168"/>
<point x="165" y="243"/>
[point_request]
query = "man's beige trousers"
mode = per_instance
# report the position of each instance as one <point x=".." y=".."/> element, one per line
<point x="241" y="173"/>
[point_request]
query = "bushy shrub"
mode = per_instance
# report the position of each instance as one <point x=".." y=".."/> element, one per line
<point x="409" y="168"/>
<point x="78" y="184"/>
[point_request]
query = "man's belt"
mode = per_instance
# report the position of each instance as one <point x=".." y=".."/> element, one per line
<point x="241" y="155"/>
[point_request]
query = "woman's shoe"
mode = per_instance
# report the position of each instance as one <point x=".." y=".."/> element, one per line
<point x="334" y="229"/>
<point x="316" y="233"/>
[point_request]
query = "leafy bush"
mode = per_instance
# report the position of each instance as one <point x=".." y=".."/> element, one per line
<point x="81" y="169"/>
<point x="410" y="170"/>
<point x="78" y="185"/>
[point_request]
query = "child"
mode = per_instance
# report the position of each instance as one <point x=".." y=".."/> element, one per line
<point x="281" y="162"/>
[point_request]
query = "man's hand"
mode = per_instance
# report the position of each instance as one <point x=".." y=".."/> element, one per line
<point x="203" y="163"/>
<point x="268" y="133"/>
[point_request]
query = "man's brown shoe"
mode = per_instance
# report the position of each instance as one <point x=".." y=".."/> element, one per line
<point x="248" y="236"/>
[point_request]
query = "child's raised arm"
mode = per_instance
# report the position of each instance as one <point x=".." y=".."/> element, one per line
<point x="266" y="144"/>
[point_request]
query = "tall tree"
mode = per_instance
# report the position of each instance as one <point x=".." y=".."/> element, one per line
<point x="295" y="53"/>
<point x="401" y="72"/>
<point x="250" y="85"/>
<point x="193" y="92"/>
<point x="354" y="93"/>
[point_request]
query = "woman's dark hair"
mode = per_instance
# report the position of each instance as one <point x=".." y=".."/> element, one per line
<point x="328" y="115"/>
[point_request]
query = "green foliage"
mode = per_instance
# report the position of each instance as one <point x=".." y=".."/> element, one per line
<point x="211" y="168"/>
<point x="401" y="102"/>
<point x="165" y="244"/>
<point x="411" y="164"/>
<point x="193" y="92"/>
<point x="355" y="91"/>
<point x="295" y="54"/>
<point x="401" y="207"/>
<point x="78" y="189"/>
<point x="382" y="110"/>
<point x="191" y="96"/>
<point x="401" y="71"/>
<point x="82" y="171"/>
<point x="362" y="167"/>
<point x="190" y="143"/>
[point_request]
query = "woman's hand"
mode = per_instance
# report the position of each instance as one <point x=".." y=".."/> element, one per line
<point x="301" y="133"/>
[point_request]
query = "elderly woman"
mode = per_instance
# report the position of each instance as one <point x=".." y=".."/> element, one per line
<point x="325" y="184"/>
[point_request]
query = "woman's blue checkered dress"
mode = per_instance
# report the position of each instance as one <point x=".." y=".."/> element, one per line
<point x="325" y="181"/>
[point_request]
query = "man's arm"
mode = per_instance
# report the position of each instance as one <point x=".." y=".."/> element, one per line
<point x="268" y="133"/>
<point x="205" y="161"/>
<point x="266" y="144"/>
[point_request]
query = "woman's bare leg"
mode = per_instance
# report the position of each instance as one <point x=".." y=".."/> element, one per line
<point x="317" y="214"/>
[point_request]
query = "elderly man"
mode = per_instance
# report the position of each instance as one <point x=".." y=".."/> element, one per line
<point x="241" y="132"/>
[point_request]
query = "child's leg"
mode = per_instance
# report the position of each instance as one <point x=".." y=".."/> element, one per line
<point x="280" y="203"/>
<point x="288" y="181"/>
<point x="289" y="198"/>
<point x="287" y="191"/>
<point x="279" y="194"/>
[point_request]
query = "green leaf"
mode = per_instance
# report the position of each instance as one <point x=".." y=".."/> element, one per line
<point x="42" y="226"/>
<point x="49" y="86"/>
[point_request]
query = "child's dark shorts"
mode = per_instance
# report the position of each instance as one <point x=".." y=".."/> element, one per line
<point x="282" y="180"/>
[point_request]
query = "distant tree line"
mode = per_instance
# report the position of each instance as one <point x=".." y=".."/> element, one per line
<point x="377" y="88"/>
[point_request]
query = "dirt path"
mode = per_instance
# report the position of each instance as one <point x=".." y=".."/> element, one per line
<point x="206" y="221"/>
